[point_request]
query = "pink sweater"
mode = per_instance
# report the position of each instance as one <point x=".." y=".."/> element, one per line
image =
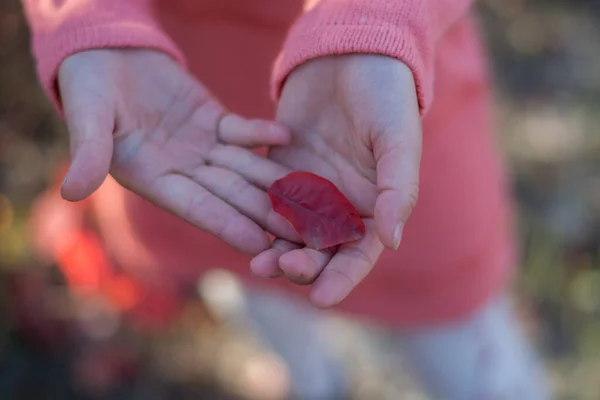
<point x="458" y="247"/>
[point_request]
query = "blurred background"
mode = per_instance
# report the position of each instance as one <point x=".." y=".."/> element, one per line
<point x="546" y="60"/>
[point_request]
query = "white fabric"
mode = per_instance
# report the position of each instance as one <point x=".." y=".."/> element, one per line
<point x="292" y="330"/>
<point x="484" y="357"/>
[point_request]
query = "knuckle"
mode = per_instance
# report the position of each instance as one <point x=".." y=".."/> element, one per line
<point x="413" y="197"/>
<point x="344" y="276"/>
<point x="203" y="214"/>
<point x="227" y="227"/>
<point x="357" y="254"/>
<point x="195" y="203"/>
<point x="237" y="187"/>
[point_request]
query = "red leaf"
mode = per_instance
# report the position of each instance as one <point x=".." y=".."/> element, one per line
<point x="316" y="209"/>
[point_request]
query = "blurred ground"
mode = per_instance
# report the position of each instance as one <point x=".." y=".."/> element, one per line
<point x="547" y="67"/>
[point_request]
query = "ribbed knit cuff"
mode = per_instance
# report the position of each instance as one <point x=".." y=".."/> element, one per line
<point x="51" y="50"/>
<point x="383" y="27"/>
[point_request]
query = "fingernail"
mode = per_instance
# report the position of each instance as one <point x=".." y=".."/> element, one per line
<point x="397" y="235"/>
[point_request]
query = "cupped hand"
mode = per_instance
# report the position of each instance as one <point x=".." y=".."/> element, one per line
<point x="137" y="115"/>
<point x="355" y="121"/>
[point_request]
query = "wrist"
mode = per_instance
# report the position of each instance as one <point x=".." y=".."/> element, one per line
<point x="361" y="40"/>
<point x="52" y="51"/>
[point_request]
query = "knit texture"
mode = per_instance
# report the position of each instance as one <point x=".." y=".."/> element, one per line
<point x="406" y="30"/>
<point x="63" y="30"/>
<point x="458" y="245"/>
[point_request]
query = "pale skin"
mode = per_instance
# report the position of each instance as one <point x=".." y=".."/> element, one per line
<point x="156" y="129"/>
<point x="353" y="119"/>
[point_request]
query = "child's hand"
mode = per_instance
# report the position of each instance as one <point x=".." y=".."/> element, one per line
<point x="160" y="133"/>
<point x="355" y="120"/>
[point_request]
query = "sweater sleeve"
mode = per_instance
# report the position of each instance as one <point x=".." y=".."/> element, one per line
<point x="404" y="29"/>
<point x="62" y="28"/>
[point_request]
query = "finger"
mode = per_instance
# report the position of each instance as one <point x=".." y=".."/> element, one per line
<point x="348" y="267"/>
<point x="185" y="198"/>
<point x="259" y="170"/>
<point x="245" y="197"/>
<point x="266" y="264"/>
<point x="90" y="122"/>
<point x="234" y="129"/>
<point x="303" y="266"/>
<point x="398" y="157"/>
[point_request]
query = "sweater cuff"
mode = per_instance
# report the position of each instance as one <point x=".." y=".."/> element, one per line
<point x="52" y="50"/>
<point x="307" y="41"/>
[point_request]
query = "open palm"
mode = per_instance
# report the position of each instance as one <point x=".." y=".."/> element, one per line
<point x="140" y="117"/>
<point x="355" y="120"/>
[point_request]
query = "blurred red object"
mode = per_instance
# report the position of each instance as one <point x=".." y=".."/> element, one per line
<point x="61" y="238"/>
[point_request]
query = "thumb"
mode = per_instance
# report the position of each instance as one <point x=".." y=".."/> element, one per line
<point x="398" y="156"/>
<point x="90" y="119"/>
